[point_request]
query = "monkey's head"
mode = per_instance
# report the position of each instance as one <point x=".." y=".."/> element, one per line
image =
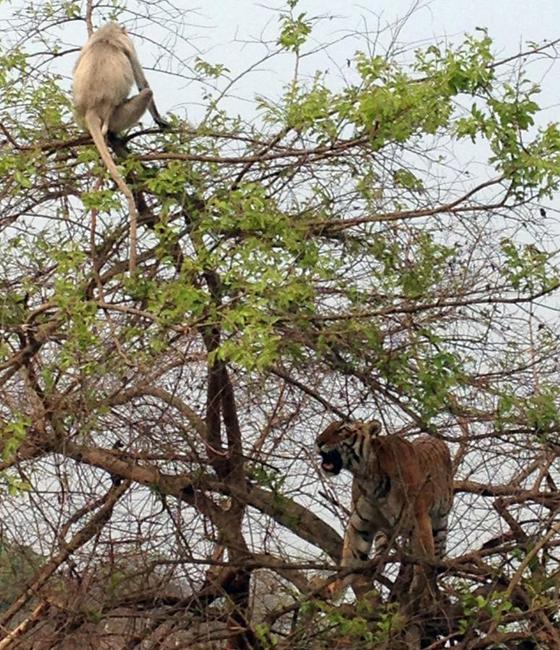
<point x="111" y="31"/>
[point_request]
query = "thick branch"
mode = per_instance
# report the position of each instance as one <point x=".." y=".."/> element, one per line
<point x="91" y="529"/>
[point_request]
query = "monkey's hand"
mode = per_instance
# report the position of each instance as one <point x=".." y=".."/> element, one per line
<point x="161" y="122"/>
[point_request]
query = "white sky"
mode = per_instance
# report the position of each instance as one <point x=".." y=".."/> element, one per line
<point x="509" y="20"/>
<point x="215" y="27"/>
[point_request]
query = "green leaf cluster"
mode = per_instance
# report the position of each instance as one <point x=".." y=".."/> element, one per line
<point x="526" y="267"/>
<point x="294" y="30"/>
<point x="13" y="434"/>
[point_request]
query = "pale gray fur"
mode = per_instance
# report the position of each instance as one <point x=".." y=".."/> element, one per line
<point x="103" y="77"/>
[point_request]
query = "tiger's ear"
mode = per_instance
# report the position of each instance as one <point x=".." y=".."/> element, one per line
<point x="374" y="427"/>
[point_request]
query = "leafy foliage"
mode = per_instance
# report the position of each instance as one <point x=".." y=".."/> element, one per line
<point x="377" y="245"/>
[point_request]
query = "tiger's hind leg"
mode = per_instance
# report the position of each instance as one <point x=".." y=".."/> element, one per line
<point x="439" y="533"/>
<point x="422" y="542"/>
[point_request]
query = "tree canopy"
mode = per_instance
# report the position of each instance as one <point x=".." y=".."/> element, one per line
<point x="375" y="242"/>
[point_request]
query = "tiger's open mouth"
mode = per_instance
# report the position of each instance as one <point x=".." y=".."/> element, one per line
<point x="331" y="461"/>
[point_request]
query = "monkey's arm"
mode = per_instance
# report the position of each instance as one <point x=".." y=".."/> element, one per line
<point x="142" y="83"/>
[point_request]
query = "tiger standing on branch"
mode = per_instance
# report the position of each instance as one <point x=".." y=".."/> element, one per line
<point x="400" y="489"/>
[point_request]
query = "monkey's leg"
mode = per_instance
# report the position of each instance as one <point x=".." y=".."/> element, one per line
<point x="142" y="84"/>
<point x="130" y="111"/>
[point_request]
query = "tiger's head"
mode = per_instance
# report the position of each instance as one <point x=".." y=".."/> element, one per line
<point x="342" y="444"/>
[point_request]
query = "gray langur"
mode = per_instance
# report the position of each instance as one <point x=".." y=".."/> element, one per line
<point x="103" y="76"/>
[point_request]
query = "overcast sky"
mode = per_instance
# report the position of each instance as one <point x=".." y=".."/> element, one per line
<point x="230" y="31"/>
<point x="511" y="21"/>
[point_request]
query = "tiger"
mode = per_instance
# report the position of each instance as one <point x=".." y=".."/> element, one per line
<point x="400" y="488"/>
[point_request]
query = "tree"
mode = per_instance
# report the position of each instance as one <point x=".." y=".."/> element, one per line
<point x="380" y="246"/>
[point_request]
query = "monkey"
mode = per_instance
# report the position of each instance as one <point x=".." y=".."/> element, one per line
<point x="103" y="76"/>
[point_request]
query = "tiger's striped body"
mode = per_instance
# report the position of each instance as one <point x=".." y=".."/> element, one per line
<point x="400" y="488"/>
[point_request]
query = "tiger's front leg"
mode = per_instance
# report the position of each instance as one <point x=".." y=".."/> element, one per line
<point x="358" y="540"/>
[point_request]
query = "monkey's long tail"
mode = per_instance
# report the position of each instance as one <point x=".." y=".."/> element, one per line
<point x="93" y="123"/>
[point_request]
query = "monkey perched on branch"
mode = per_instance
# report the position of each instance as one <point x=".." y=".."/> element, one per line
<point x="103" y="76"/>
